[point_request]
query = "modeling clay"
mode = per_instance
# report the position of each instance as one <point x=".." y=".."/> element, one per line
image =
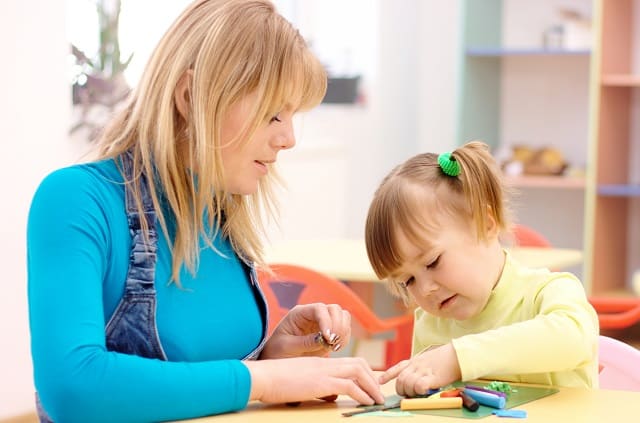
<point x="430" y="403"/>
<point x="500" y="386"/>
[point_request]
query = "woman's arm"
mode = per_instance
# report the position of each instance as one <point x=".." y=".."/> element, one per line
<point x="69" y="247"/>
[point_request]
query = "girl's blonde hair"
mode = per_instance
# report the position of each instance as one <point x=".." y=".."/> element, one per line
<point x="228" y="49"/>
<point x="419" y="188"/>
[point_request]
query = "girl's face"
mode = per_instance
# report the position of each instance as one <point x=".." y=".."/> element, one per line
<point x="455" y="276"/>
<point x="246" y="163"/>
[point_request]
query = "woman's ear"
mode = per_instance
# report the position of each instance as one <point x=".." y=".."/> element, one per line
<point x="182" y="94"/>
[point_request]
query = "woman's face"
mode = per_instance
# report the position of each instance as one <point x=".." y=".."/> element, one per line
<point x="245" y="163"/>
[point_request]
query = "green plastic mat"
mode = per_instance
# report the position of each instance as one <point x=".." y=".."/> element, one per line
<point x="520" y="395"/>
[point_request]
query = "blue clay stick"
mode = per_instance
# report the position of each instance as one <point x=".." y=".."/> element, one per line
<point x="485" y="398"/>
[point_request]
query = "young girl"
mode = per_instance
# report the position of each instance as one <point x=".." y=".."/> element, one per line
<point x="143" y="299"/>
<point x="433" y="231"/>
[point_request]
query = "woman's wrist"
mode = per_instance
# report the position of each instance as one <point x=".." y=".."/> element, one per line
<point x="257" y="384"/>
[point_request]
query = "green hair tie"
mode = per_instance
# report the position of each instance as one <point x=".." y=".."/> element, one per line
<point x="448" y="164"/>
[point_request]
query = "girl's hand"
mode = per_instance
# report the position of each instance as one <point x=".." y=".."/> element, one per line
<point x="431" y="369"/>
<point x="307" y="378"/>
<point x="297" y="334"/>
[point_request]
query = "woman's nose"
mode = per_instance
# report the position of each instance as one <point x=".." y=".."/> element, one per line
<point x="285" y="138"/>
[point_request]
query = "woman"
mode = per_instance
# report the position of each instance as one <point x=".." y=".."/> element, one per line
<point x="142" y="293"/>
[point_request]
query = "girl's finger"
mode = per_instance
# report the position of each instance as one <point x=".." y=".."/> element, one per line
<point x="393" y="371"/>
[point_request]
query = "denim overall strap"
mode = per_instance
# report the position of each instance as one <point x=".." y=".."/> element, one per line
<point x="264" y="311"/>
<point x="132" y="327"/>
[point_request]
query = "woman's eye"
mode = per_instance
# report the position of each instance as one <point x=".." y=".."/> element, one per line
<point x="434" y="263"/>
<point x="275" y="118"/>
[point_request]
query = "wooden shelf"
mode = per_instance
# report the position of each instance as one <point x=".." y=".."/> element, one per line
<point x="610" y="231"/>
<point x="526" y="51"/>
<point x="621" y="80"/>
<point x="552" y="182"/>
<point x="616" y="293"/>
<point x="619" y="190"/>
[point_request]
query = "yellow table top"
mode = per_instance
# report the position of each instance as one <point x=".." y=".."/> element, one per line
<point x="347" y="259"/>
<point x="568" y="405"/>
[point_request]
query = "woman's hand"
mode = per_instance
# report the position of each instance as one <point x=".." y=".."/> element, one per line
<point x="297" y="333"/>
<point x="430" y="369"/>
<point x="307" y="378"/>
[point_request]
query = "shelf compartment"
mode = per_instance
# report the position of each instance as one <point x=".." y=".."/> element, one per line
<point x="610" y="240"/>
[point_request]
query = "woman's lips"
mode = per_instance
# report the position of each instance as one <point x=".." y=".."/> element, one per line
<point x="262" y="167"/>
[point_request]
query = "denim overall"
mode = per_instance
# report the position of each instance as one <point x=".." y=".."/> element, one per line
<point x="132" y="327"/>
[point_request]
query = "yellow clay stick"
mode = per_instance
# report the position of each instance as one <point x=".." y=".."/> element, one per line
<point x="430" y="403"/>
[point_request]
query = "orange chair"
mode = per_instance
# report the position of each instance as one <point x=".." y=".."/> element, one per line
<point x="616" y="313"/>
<point x="291" y="284"/>
<point x="529" y="237"/>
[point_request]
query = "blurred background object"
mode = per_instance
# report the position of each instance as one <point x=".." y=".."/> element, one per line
<point x="98" y="82"/>
<point x="525" y="160"/>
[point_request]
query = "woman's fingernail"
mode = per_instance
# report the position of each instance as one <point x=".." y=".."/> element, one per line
<point x="337" y="347"/>
<point x="333" y="338"/>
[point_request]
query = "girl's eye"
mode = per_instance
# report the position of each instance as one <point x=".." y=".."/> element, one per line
<point x="275" y="118"/>
<point x="407" y="283"/>
<point x="434" y="263"/>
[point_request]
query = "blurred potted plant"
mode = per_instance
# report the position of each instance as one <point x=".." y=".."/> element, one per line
<point x="99" y="85"/>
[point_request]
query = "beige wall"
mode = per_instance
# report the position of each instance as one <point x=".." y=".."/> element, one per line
<point x="34" y="115"/>
<point x="342" y="154"/>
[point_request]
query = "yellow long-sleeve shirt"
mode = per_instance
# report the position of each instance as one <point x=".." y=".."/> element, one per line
<point x="537" y="327"/>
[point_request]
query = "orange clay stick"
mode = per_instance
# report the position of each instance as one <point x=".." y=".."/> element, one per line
<point x="430" y="403"/>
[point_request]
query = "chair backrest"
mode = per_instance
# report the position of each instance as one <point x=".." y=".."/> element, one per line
<point x="616" y="312"/>
<point x="291" y="284"/>
<point x="620" y="365"/>
<point x="276" y="312"/>
<point x="526" y="236"/>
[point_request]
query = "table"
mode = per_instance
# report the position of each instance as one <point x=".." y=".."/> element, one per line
<point x="568" y="405"/>
<point x="346" y="259"/>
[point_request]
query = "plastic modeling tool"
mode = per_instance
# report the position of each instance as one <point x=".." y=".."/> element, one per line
<point x="374" y="408"/>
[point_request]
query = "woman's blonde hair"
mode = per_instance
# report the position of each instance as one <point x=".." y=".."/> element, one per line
<point x="229" y="49"/>
<point x="419" y="188"/>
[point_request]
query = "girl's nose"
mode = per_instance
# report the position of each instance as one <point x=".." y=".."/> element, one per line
<point x="426" y="285"/>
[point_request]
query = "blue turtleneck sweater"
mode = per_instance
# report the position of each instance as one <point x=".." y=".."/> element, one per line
<point x="78" y="246"/>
